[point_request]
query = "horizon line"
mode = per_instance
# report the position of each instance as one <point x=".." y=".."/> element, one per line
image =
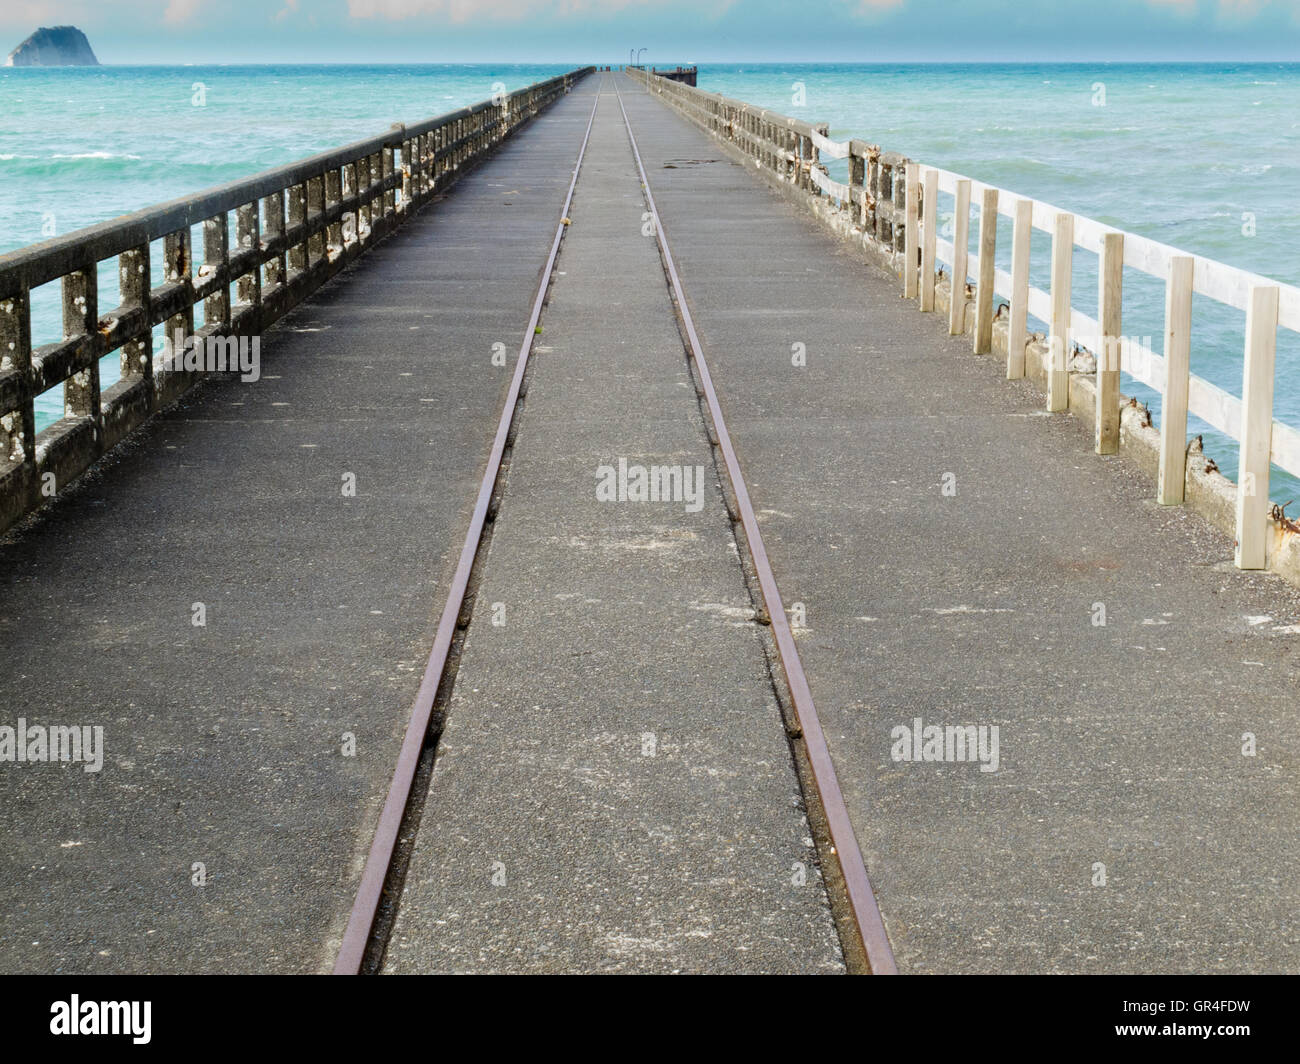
<point x="1127" y="61"/>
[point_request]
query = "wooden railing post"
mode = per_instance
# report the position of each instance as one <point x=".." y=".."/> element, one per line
<point x="80" y="317"/>
<point x="1110" y="323"/>
<point x="177" y="269"/>
<point x="862" y="209"/>
<point x="1017" y="326"/>
<point x="390" y="194"/>
<point x="960" y="257"/>
<point x="1058" y="342"/>
<point x="248" y="236"/>
<point x="876" y="182"/>
<point x="296" y="211"/>
<point x="340" y="186"/>
<point x="361" y="191"/>
<point x="216" y="257"/>
<point x="273" y="230"/>
<point x="1256" y="428"/>
<point x="900" y="205"/>
<point x="361" y="211"/>
<point x="983" y="331"/>
<point x="422" y="166"/>
<point x="315" y="207"/>
<point x="134" y="286"/>
<point x="930" y="205"/>
<point x="18" y="427"/>
<point x="911" y="230"/>
<point x="374" y="194"/>
<point x="1173" y="404"/>
<point x="857" y="179"/>
<point x="409" y="175"/>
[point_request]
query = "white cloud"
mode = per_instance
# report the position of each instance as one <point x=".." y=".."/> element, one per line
<point x="29" y="14"/>
<point x="1243" y="8"/>
<point x="1239" y="9"/>
<point x="467" y="10"/>
<point x="180" y="11"/>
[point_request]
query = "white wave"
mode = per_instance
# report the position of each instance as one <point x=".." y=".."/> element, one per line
<point x="94" y="155"/>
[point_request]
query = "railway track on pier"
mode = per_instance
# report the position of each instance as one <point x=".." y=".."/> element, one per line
<point x="862" y="938"/>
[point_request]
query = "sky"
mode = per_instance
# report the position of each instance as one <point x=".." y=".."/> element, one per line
<point x="671" y="31"/>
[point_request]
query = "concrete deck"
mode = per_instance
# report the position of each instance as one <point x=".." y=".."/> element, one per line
<point x="1120" y="745"/>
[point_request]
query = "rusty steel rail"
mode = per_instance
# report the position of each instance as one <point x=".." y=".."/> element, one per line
<point x="295" y="226"/>
<point x="356" y="937"/>
<point x="862" y="900"/>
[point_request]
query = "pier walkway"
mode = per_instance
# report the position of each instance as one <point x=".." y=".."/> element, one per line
<point x="615" y="778"/>
<point x="615" y="743"/>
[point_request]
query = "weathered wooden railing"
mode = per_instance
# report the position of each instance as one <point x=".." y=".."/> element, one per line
<point x="295" y="227"/>
<point x="791" y="148"/>
<point x="891" y="205"/>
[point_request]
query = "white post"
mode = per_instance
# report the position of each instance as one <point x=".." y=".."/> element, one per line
<point x="960" y="253"/>
<point x="1256" y="428"/>
<point x="1017" y="329"/>
<point x="983" y="339"/>
<point x="1110" y="320"/>
<point x="910" y="230"/>
<point x="931" y="209"/>
<point x="1058" y="344"/>
<point x="1173" y="404"/>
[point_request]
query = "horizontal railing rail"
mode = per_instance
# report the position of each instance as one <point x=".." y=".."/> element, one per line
<point x="893" y="201"/>
<point x="295" y="226"/>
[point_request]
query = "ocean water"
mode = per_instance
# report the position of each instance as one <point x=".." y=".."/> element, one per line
<point x="1205" y="157"/>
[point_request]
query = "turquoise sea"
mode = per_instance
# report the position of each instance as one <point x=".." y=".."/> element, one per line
<point x="1205" y="157"/>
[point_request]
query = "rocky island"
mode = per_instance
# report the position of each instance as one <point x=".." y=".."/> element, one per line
<point x="53" y="46"/>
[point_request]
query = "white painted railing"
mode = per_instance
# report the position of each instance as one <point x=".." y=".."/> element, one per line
<point x="889" y="197"/>
<point x="1267" y="304"/>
